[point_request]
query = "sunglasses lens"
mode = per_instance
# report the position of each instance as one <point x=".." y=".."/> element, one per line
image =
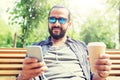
<point x="62" y="20"/>
<point x="52" y="19"/>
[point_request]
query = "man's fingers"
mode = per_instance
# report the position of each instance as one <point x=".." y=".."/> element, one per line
<point x="104" y="56"/>
<point x="103" y="62"/>
<point x="103" y="74"/>
<point x="30" y="60"/>
<point x="102" y="67"/>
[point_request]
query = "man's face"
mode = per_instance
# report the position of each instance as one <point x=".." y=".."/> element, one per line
<point x="58" y="23"/>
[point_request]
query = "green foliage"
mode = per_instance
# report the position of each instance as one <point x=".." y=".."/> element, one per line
<point x="28" y="14"/>
<point x="114" y="4"/>
<point x="99" y="28"/>
<point x="6" y="39"/>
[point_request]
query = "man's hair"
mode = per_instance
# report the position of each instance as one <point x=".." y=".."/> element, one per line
<point x="59" y="6"/>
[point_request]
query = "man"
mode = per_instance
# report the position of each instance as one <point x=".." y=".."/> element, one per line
<point x="65" y="58"/>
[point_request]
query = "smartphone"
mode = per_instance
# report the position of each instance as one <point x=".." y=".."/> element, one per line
<point x="35" y="51"/>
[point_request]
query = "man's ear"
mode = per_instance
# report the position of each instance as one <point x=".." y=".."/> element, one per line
<point x="69" y="24"/>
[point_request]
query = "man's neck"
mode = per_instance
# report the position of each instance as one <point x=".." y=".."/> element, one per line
<point x="59" y="42"/>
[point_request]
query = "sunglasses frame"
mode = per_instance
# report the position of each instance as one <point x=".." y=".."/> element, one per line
<point x="60" y="20"/>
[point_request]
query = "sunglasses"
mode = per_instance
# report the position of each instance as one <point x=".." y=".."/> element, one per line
<point x="61" y="20"/>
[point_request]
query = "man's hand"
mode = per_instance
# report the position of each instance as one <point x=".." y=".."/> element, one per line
<point x="102" y="66"/>
<point x="31" y="68"/>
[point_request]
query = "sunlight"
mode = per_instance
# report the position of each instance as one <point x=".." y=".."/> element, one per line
<point x="85" y="7"/>
<point x="4" y="5"/>
<point x="81" y="9"/>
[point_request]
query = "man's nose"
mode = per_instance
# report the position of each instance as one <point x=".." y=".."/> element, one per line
<point x="57" y="23"/>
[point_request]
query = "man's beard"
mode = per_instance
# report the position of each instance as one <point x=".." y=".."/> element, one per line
<point x="57" y="36"/>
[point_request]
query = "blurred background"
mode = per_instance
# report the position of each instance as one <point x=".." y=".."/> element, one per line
<point x="23" y="22"/>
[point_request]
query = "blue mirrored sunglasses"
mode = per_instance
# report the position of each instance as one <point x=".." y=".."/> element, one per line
<point x="61" y="20"/>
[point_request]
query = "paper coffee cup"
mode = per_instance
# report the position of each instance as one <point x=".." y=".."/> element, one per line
<point x="95" y="49"/>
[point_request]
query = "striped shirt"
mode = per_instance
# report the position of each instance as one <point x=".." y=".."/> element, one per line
<point x="78" y="54"/>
